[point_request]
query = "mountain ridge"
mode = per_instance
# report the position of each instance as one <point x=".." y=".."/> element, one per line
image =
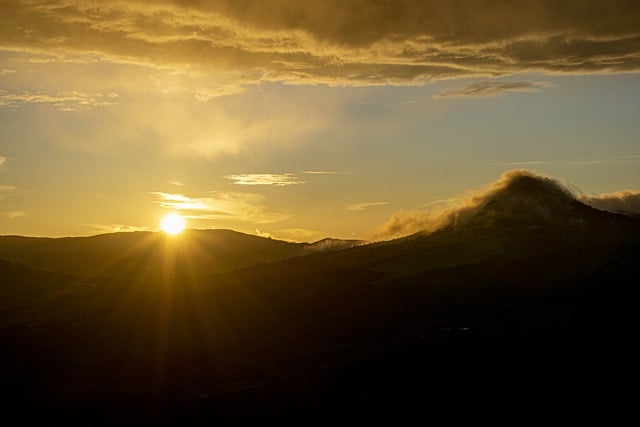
<point x="374" y="324"/>
<point x="120" y="254"/>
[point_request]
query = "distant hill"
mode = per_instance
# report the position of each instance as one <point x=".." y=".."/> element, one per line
<point x="145" y="254"/>
<point x="330" y="244"/>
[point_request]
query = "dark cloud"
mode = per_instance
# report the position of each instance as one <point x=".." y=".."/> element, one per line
<point x="626" y="201"/>
<point x="337" y="41"/>
<point x="491" y="88"/>
<point x="363" y="22"/>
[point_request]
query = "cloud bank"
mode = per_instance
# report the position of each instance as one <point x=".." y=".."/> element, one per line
<point x="626" y="201"/>
<point x="342" y="42"/>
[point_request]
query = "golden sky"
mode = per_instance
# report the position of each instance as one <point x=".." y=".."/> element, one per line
<point x="304" y="119"/>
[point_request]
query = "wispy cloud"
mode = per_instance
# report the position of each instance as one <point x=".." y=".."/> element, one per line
<point x="14" y="214"/>
<point x="404" y="223"/>
<point x="221" y="205"/>
<point x="441" y="202"/>
<point x="6" y="71"/>
<point x="400" y="42"/>
<point x="625" y="201"/>
<point x="264" y="234"/>
<point x="176" y="182"/>
<point x="6" y="190"/>
<point x="492" y="88"/>
<point x="299" y="234"/>
<point x="202" y="94"/>
<point x="324" y="173"/>
<point x="278" y="180"/>
<point x="575" y="162"/>
<point x="62" y="100"/>
<point x="117" y="228"/>
<point x="180" y="202"/>
<point x="524" y="163"/>
<point x="2" y="160"/>
<point x="366" y="205"/>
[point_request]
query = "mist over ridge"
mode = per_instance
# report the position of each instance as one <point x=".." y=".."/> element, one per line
<point x="519" y="196"/>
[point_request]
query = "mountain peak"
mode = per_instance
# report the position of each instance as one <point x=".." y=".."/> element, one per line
<point x="523" y="198"/>
<point x="519" y="198"/>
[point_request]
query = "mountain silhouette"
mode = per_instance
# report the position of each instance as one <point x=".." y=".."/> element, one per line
<point x="125" y="255"/>
<point x="531" y="200"/>
<point x="524" y="285"/>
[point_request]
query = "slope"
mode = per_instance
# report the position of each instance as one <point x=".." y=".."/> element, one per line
<point x="370" y="324"/>
<point x="146" y="254"/>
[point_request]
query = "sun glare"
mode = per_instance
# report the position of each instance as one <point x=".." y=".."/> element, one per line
<point x="173" y="224"/>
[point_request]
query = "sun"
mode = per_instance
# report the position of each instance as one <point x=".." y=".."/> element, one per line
<point x="173" y="224"/>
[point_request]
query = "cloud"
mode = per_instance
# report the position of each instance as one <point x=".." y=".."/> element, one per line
<point x="62" y="100"/>
<point x="231" y="129"/>
<point x="320" y="172"/>
<point x="626" y="201"/>
<point x="247" y="207"/>
<point x="404" y="223"/>
<point x="575" y="162"/>
<point x="441" y="202"/>
<point x="275" y="179"/>
<point x="14" y="214"/>
<point x="2" y="160"/>
<point x="298" y="234"/>
<point x="363" y="206"/>
<point x="6" y="190"/>
<point x="5" y="71"/>
<point x="325" y="173"/>
<point x="176" y="182"/>
<point x="117" y="228"/>
<point x="204" y="94"/>
<point x="525" y="163"/>
<point x="492" y="88"/>
<point x="264" y="234"/>
<point x="339" y="42"/>
<point x="295" y="235"/>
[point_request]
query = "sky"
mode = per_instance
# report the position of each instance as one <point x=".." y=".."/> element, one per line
<point x="303" y="120"/>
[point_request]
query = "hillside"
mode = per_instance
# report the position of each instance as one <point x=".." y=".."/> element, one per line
<point x="147" y="254"/>
<point x="529" y="277"/>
